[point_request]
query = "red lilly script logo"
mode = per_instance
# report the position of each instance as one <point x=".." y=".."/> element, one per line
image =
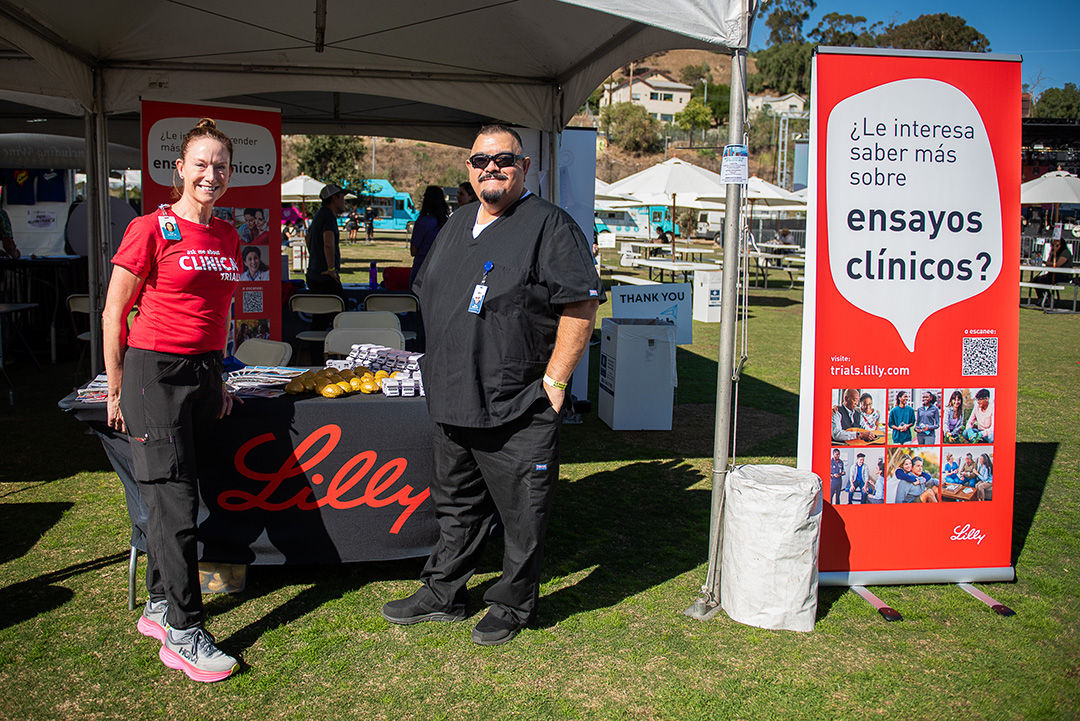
<point x="376" y="493"/>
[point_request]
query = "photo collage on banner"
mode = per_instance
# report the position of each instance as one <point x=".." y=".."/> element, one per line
<point x="911" y="445"/>
<point x="911" y="321"/>
<point x="252" y="204"/>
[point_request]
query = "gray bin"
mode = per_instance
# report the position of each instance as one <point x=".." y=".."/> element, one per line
<point x="771" y="524"/>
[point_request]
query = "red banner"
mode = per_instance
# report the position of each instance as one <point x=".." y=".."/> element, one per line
<point x="252" y="202"/>
<point x="910" y="334"/>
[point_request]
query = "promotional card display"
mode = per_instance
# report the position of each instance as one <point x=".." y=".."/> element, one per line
<point x="252" y="203"/>
<point x="910" y="330"/>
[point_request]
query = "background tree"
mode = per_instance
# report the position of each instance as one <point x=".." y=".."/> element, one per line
<point x="332" y="159"/>
<point x="783" y="69"/>
<point x="1059" y="103"/>
<point x="692" y="74"/>
<point x="786" y="19"/>
<point x="694" y="115"/>
<point x="719" y="101"/>
<point x="934" y="32"/>
<point x="844" y="31"/>
<point x="630" y="127"/>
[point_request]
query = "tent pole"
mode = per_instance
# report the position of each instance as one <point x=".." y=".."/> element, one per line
<point x="97" y="199"/>
<point x="708" y="602"/>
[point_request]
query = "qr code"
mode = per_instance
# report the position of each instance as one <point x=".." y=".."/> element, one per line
<point x="980" y="357"/>
<point x="253" y="301"/>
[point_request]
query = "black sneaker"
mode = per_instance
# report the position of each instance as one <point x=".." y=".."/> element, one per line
<point x="407" y="611"/>
<point x="493" y="631"/>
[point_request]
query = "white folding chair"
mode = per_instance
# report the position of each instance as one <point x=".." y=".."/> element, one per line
<point x="260" y="352"/>
<point x="367" y="319"/>
<point x="314" y="304"/>
<point x="340" y="341"/>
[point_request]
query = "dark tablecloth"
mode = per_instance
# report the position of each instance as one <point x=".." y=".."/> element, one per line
<point x="303" y="480"/>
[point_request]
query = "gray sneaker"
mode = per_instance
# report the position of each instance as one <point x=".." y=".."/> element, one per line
<point x="152" y="621"/>
<point x="192" y="650"/>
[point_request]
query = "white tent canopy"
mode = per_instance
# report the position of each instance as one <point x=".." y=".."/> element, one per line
<point x="362" y="68"/>
<point x="763" y="193"/>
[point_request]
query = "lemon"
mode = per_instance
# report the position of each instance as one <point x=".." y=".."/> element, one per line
<point x="331" y="390"/>
<point x="369" y="386"/>
<point x="356" y="383"/>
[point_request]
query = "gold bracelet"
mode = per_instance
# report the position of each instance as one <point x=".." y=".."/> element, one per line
<point x="558" y="385"/>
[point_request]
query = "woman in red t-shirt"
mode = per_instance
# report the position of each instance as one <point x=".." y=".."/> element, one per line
<point x="181" y="265"/>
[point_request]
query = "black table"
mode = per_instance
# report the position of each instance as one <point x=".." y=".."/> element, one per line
<point x="47" y="281"/>
<point x="7" y="310"/>
<point x="303" y="479"/>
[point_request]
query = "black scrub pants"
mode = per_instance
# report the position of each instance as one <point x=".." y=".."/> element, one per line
<point x="512" y="469"/>
<point x="325" y="285"/>
<point x="170" y="403"/>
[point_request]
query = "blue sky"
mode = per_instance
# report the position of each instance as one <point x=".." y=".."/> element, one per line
<point x="1045" y="32"/>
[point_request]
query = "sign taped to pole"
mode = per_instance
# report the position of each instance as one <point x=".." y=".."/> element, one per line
<point x="911" y="321"/>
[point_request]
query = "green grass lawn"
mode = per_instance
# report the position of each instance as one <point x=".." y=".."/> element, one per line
<point x="626" y="555"/>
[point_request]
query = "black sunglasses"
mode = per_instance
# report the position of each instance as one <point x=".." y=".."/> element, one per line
<point x="502" y="160"/>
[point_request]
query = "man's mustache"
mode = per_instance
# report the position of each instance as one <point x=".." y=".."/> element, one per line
<point x="490" y="176"/>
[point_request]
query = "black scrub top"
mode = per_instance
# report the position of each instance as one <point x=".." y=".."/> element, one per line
<point x="485" y="369"/>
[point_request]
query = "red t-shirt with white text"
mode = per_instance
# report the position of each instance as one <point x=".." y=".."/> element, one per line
<point x="189" y="283"/>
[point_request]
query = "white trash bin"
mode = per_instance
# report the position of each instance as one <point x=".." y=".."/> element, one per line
<point x="768" y="572"/>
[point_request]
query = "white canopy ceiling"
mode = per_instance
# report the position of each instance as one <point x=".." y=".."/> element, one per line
<point x="427" y="69"/>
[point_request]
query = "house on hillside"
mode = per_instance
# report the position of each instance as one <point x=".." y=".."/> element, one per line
<point x="661" y="96"/>
<point x="790" y="103"/>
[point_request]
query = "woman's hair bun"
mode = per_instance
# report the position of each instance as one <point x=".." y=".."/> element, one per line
<point x="206" y="123"/>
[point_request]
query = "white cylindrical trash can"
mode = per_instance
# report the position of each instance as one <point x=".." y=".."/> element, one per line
<point x="771" y="522"/>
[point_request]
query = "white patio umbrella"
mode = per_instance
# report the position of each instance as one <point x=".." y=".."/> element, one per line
<point x="301" y="189"/>
<point x="1055" y="187"/>
<point x="668" y="181"/>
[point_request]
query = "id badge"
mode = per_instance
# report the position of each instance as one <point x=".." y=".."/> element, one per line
<point x="169" y="229"/>
<point x="478" y="298"/>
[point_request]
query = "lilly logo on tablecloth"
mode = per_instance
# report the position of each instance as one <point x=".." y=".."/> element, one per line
<point x="913" y="205"/>
<point x="376" y="494"/>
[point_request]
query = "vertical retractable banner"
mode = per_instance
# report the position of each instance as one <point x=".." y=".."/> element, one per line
<point x="252" y="202"/>
<point x="911" y="322"/>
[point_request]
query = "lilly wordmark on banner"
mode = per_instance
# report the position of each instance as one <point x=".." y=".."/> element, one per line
<point x="910" y="330"/>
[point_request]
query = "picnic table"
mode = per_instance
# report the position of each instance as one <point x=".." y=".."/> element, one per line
<point x="764" y="262"/>
<point x="673" y="266"/>
<point x="693" y="253"/>
<point x="1036" y="269"/>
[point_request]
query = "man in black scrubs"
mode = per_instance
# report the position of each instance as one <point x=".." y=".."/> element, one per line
<point x="509" y="296"/>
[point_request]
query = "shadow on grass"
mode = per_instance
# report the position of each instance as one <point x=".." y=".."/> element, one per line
<point x="1033" y="463"/>
<point x="622" y="532"/>
<point x="328" y="583"/>
<point x="23" y="524"/>
<point x="32" y="597"/>
<point x="772" y="301"/>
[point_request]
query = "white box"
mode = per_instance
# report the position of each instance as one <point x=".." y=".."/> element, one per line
<point x="637" y="373"/>
<point x="708" y="292"/>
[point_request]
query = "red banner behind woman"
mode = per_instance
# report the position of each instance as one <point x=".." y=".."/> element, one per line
<point x="252" y="202"/>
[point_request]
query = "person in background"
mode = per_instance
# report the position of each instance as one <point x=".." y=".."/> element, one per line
<point x="951" y="469"/>
<point x="165" y="384"/>
<point x="969" y="471"/>
<point x="876" y="485"/>
<point x="433" y="214"/>
<point x="369" y="223"/>
<point x="980" y="425"/>
<point x="927" y="419"/>
<point x="986" y="477"/>
<point x="869" y="417"/>
<point x="953" y="419"/>
<point x="324" y="250"/>
<point x="353" y="225"/>
<point x="465" y="194"/>
<point x="661" y="236"/>
<point x="859" y="478"/>
<point x="847" y="420"/>
<point x="254" y="267"/>
<point x="836" y="477"/>
<point x="7" y="238"/>
<point x="1060" y="257"/>
<point x="929" y="483"/>
<point x="901" y="418"/>
<point x="510" y="297"/>
<point x="249" y="231"/>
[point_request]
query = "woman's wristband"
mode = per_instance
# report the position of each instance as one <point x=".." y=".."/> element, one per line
<point x="557" y="385"/>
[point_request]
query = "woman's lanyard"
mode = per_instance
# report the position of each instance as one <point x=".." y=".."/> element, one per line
<point x="480" y="290"/>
